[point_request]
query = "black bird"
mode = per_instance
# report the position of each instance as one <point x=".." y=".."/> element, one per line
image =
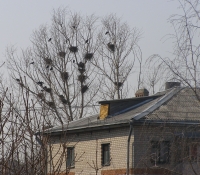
<point x="17" y="79"/>
<point x="74" y="27"/>
<point x="32" y="62"/>
<point x="86" y="41"/>
<point x="49" y="40"/>
<point x="73" y="61"/>
<point x="107" y="33"/>
<point x="40" y="83"/>
<point x="47" y="67"/>
<point x="51" y="68"/>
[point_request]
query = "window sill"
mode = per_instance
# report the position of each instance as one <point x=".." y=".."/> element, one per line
<point x="71" y="167"/>
<point x="105" y="165"/>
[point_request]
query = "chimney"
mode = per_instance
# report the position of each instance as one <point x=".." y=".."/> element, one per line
<point x="142" y="93"/>
<point x="169" y="85"/>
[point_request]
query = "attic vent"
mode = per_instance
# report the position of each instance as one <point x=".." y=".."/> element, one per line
<point x="103" y="111"/>
<point x="142" y="93"/>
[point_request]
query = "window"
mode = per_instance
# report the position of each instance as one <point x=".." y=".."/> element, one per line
<point x="160" y="152"/>
<point x="194" y="152"/>
<point x="105" y="160"/>
<point x="70" y="157"/>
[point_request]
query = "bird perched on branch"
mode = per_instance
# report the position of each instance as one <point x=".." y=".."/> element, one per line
<point x="86" y="41"/>
<point x="17" y="79"/>
<point x="32" y="62"/>
<point x="40" y="83"/>
<point x="107" y="33"/>
<point x="49" y="40"/>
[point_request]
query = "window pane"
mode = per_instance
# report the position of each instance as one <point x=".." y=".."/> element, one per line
<point x="154" y="151"/>
<point x="159" y="152"/>
<point x="193" y="152"/>
<point x="105" y="154"/>
<point x="164" y="152"/>
<point x="70" y="157"/>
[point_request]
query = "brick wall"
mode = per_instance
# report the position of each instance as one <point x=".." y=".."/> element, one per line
<point x="86" y="145"/>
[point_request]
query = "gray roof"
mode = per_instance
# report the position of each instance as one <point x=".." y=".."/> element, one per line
<point x="184" y="106"/>
<point x="176" y="104"/>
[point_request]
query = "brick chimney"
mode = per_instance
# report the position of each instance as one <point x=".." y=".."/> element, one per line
<point x="142" y="93"/>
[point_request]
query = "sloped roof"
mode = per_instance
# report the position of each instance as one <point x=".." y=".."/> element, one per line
<point x="176" y="104"/>
<point x="184" y="106"/>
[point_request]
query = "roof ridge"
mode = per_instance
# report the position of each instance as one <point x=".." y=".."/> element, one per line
<point x="156" y="105"/>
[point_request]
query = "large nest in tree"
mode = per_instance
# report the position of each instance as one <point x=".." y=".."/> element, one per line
<point x="82" y="78"/>
<point x="62" y="99"/>
<point x="73" y="49"/>
<point x="118" y="84"/>
<point x="40" y="95"/>
<point x="62" y="54"/>
<point x="64" y="76"/>
<point x="81" y="67"/>
<point x="88" y="56"/>
<point x="111" y="47"/>
<point x="48" y="61"/>
<point x="51" y="104"/>
<point x="81" y="70"/>
<point x="47" y="89"/>
<point x="84" y="88"/>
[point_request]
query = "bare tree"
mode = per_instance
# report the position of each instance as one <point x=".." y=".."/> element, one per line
<point x="57" y="69"/>
<point x="117" y="54"/>
<point x="155" y="74"/>
<point x="184" y="65"/>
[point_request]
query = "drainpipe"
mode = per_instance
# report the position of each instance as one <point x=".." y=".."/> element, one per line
<point x="128" y="145"/>
<point x="42" y="145"/>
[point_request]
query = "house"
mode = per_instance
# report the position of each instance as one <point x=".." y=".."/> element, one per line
<point x="158" y="134"/>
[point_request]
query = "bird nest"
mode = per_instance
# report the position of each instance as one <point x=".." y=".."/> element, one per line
<point x="62" y="54"/>
<point x="111" y="47"/>
<point x="81" y="70"/>
<point x="48" y="61"/>
<point x="73" y="49"/>
<point x="118" y="84"/>
<point x="82" y="78"/>
<point x="51" y="104"/>
<point x="84" y="88"/>
<point x="88" y="56"/>
<point x="40" y="95"/>
<point x="64" y="76"/>
<point x="81" y="65"/>
<point x="62" y="99"/>
<point x="47" y="89"/>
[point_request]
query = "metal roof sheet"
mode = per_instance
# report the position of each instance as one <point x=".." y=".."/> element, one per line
<point x="176" y="104"/>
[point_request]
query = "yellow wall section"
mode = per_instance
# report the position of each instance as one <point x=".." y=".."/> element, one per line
<point x="104" y="111"/>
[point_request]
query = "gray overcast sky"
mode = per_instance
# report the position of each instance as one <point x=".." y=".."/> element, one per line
<point x="20" y="17"/>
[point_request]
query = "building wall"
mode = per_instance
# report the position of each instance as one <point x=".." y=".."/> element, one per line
<point x="86" y="145"/>
<point x="179" y="160"/>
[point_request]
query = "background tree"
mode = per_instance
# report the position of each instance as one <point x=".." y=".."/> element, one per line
<point x="184" y="63"/>
<point x="70" y="61"/>
<point x="57" y="68"/>
<point x="117" y="51"/>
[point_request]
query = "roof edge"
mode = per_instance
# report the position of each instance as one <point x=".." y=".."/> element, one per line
<point x="156" y="105"/>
